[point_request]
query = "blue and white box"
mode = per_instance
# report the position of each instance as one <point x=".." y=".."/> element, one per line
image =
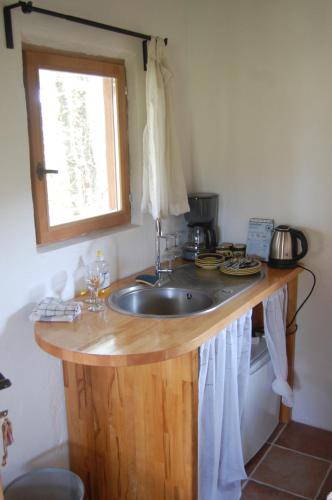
<point x="259" y="238"/>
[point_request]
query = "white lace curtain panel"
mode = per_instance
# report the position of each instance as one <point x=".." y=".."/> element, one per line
<point x="275" y="312"/>
<point x="223" y="380"/>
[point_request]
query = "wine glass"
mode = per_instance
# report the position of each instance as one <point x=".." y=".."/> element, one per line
<point x="94" y="278"/>
<point x="174" y="251"/>
<point x="171" y="252"/>
<point x="90" y="299"/>
<point x="177" y="249"/>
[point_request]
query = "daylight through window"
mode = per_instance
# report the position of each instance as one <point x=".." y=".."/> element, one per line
<point x="77" y="128"/>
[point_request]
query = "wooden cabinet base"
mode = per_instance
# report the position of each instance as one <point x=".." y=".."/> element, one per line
<point x="133" y="422"/>
<point x="133" y="430"/>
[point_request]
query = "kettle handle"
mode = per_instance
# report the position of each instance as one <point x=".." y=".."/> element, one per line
<point x="304" y="243"/>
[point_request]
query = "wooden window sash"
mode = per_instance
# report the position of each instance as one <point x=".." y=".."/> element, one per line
<point x="39" y="58"/>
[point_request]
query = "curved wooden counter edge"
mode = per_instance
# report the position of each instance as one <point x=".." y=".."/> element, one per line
<point x="113" y="339"/>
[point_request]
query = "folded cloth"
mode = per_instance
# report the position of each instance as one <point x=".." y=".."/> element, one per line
<point x="52" y="309"/>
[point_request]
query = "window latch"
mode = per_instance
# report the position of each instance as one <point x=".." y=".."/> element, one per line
<point x="42" y="171"/>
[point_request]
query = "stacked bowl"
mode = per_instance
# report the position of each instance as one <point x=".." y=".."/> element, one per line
<point x="209" y="261"/>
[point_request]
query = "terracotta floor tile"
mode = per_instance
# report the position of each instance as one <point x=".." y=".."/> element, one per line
<point x="254" y="461"/>
<point x="327" y="488"/>
<point x="275" y="433"/>
<point x="291" y="471"/>
<point x="307" y="439"/>
<point x="255" y="491"/>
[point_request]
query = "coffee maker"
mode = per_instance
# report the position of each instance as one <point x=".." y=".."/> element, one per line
<point x="202" y="223"/>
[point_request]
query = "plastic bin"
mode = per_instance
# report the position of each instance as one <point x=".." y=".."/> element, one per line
<point x="46" y="484"/>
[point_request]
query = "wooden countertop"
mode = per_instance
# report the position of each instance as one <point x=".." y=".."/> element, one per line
<point x="109" y="338"/>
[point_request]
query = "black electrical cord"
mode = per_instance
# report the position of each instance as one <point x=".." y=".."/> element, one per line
<point x="307" y="297"/>
<point x="261" y="330"/>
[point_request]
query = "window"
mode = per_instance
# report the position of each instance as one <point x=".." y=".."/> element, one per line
<point x="78" y="142"/>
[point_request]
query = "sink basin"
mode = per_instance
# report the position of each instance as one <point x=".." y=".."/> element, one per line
<point x="165" y="302"/>
<point x="188" y="291"/>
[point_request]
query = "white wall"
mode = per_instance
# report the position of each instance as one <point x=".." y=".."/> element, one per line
<point x="261" y="92"/>
<point x="36" y="401"/>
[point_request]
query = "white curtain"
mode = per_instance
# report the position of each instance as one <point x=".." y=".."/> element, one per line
<point x="223" y="380"/>
<point x="164" y="190"/>
<point x="275" y="312"/>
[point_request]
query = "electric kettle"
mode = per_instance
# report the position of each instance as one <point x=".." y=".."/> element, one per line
<point x="284" y="250"/>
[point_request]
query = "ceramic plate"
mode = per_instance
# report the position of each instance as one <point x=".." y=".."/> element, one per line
<point x="241" y="267"/>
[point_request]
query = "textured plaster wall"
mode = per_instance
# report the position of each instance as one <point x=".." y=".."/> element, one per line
<point x="260" y="84"/>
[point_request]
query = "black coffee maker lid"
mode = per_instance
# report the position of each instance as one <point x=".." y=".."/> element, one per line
<point x="201" y="195"/>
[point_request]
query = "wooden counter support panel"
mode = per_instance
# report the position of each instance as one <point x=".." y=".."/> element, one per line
<point x="257" y="318"/>
<point x="285" y="412"/>
<point x="133" y="430"/>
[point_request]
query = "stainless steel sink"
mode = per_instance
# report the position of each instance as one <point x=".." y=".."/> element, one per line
<point x="165" y="302"/>
<point x="188" y="291"/>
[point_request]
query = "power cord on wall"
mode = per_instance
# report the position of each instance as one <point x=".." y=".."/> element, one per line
<point x="307" y="297"/>
<point x="261" y="330"/>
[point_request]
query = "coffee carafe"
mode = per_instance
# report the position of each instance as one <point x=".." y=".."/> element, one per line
<point x="202" y="221"/>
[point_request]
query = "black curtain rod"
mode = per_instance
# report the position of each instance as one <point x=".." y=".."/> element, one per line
<point x="27" y="8"/>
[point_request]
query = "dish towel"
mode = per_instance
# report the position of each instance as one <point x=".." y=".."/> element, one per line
<point x="52" y="309"/>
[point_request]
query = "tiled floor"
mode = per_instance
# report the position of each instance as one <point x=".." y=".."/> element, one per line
<point x="296" y="462"/>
